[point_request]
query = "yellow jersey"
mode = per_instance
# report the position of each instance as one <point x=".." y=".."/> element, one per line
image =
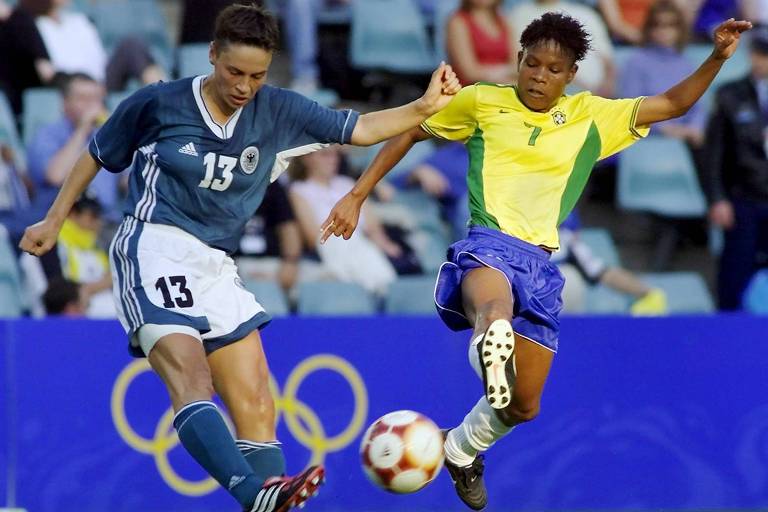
<point x="527" y="169"/>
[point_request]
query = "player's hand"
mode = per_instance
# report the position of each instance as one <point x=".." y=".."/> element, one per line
<point x="39" y="238"/>
<point x="727" y="37"/>
<point x="721" y="214"/>
<point x="343" y="218"/>
<point x="443" y="86"/>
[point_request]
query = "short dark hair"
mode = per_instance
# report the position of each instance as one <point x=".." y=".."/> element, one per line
<point x="64" y="81"/>
<point x="566" y="32"/>
<point x="61" y="293"/>
<point x="87" y="203"/>
<point x="251" y="25"/>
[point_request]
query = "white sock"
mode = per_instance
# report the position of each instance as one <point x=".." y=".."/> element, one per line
<point x="479" y="431"/>
<point x="474" y="357"/>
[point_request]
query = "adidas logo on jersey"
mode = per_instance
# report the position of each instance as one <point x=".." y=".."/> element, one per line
<point x="188" y="149"/>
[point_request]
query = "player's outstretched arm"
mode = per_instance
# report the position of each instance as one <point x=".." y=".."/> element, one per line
<point x="676" y="101"/>
<point x="39" y="238"/>
<point x="343" y="218"/>
<point x="375" y="127"/>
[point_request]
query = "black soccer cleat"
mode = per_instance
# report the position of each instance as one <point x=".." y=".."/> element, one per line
<point x="497" y="361"/>
<point x="282" y="493"/>
<point x="468" y="480"/>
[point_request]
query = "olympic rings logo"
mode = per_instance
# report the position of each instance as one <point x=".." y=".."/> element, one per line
<point x="302" y="421"/>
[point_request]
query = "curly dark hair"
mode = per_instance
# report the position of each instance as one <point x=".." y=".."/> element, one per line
<point x="566" y="32"/>
<point x="251" y="25"/>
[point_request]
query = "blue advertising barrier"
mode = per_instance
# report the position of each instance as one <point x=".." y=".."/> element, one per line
<point x="638" y="415"/>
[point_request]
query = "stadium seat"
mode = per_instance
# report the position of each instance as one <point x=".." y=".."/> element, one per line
<point x="735" y="68"/>
<point x="443" y="11"/>
<point x="42" y="105"/>
<point x="269" y="295"/>
<point x="756" y="294"/>
<point x="11" y="302"/>
<point x="193" y="60"/>
<point x="334" y="298"/>
<point x="601" y="300"/>
<point x="657" y="175"/>
<point x="115" y="98"/>
<point x="9" y="134"/>
<point x="686" y="291"/>
<point x="116" y="19"/>
<point x="390" y="35"/>
<point x="411" y="295"/>
<point x="601" y="243"/>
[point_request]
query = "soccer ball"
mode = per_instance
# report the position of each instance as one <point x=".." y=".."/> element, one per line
<point x="402" y="451"/>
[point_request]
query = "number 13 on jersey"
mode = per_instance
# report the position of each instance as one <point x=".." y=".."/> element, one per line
<point x="226" y="164"/>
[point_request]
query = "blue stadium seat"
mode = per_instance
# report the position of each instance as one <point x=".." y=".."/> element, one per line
<point x="332" y="298"/>
<point x="443" y="11"/>
<point x="11" y="302"/>
<point x="657" y="175"/>
<point x="390" y="35"/>
<point x="686" y="291"/>
<point x="115" y="98"/>
<point x="756" y="294"/>
<point x="601" y="243"/>
<point x="601" y="300"/>
<point x="734" y="68"/>
<point x="9" y="134"/>
<point x="270" y="295"/>
<point x="116" y="19"/>
<point x="42" y="106"/>
<point x="193" y="60"/>
<point x="411" y="295"/>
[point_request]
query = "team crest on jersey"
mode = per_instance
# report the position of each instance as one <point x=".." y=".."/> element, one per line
<point x="558" y="116"/>
<point x="249" y="159"/>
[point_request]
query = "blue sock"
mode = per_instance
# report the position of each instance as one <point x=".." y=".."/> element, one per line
<point x="266" y="459"/>
<point x="206" y="437"/>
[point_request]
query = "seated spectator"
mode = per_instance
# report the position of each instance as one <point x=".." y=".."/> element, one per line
<point x="370" y="257"/>
<point x="647" y="301"/>
<point x="25" y="62"/>
<point x="74" y="45"/>
<point x="55" y="147"/>
<point x="64" y="298"/>
<point x="83" y="261"/>
<point x="14" y="195"/>
<point x="596" y="71"/>
<point x="271" y="245"/>
<point x="659" y="65"/>
<point x="479" y="44"/>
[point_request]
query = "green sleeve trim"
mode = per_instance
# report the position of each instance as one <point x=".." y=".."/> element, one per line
<point x="633" y="118"/>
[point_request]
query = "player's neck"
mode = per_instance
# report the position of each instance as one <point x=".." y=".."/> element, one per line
<point x="220" y="111"/>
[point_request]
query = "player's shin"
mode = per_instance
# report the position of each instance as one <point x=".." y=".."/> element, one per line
<point x="205" y="436"/>
<point x="266" y="459"/>
<point x="480" y="429"/>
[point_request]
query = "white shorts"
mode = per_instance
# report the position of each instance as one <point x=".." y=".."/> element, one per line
<point x="162" y="275"/>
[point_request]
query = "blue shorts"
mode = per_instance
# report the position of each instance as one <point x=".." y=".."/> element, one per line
<point x="536" y="284"/>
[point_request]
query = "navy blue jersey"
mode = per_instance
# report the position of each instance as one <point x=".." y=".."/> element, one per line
<point x="202" y="177"/>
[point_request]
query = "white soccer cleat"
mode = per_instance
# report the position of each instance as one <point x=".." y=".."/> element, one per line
<point x="497" y="355"/>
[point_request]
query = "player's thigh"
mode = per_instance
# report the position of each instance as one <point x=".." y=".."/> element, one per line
<point x="532" y="363"/>
<point x="179" y="360"/>
<point x="241" y="378"/>
<point x="483" y="286"/>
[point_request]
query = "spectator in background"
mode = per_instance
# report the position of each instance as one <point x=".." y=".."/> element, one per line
<point x="367" y="258"/>
<point x="271" y="245"/>
<point x="573" y="251"/>
<point x="25" y="62"/>
<point x="83" y="261"/>
<point x="14" y="194"/>
<point x="705" y="15"/>
<point x="596" y="71"/>
<point x="735" y="176"/>
<point x="55" y="147"/>
<point x="479" y="43"/>
<point x="659" y="65"/>
<point x="74" y="45"/>
<point x="64" y="298"/>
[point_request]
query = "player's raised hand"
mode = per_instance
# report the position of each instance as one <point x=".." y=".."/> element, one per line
<point x="727" y="37"/>
<point x="39" y="238"/>
<point x="343" y="218"/>
<point x="443" y="86"/>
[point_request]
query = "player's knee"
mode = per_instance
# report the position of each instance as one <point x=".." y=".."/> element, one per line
<point x="495" y="310"/>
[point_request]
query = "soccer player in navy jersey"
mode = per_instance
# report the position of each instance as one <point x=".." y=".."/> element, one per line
<point x="202" y="151"/>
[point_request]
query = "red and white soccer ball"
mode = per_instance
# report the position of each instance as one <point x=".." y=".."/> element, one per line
<point x="402" y="451"/>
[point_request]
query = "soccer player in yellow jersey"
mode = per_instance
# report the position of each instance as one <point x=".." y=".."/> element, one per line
<point x="531" y="151"/>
